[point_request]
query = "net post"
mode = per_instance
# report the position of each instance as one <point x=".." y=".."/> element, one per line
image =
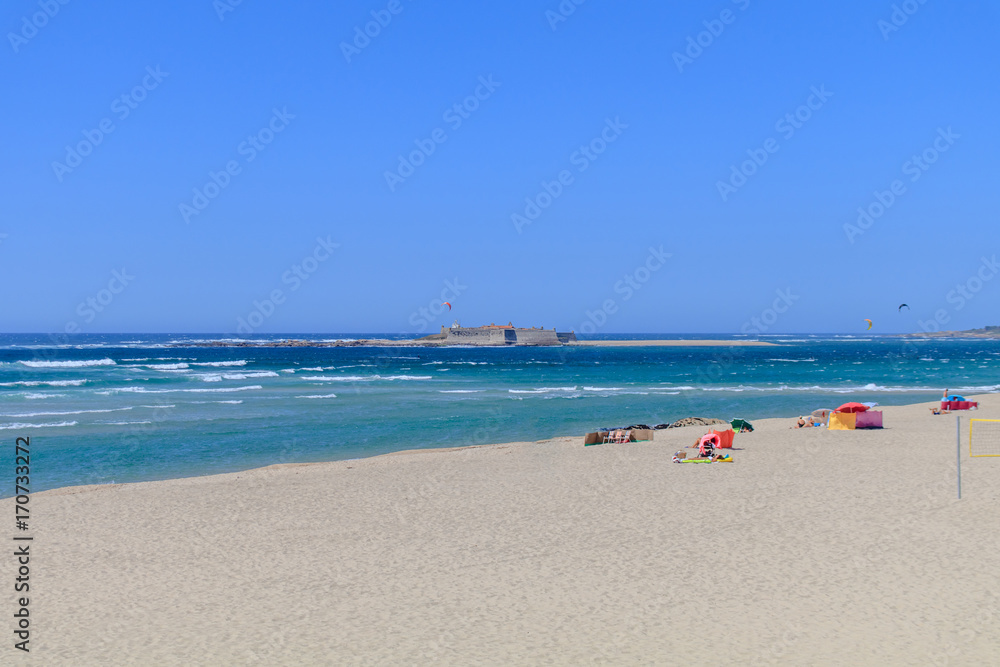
<point x="958" y="452"/>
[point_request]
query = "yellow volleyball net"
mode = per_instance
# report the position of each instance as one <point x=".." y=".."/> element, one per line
<point x="984" y="437"/>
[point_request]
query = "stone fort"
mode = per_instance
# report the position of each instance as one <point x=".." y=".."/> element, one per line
<point x="503" y="334"/>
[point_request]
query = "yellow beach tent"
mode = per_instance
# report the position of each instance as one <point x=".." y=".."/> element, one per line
<point x="842" y="421"/>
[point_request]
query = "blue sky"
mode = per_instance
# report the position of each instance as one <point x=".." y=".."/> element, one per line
<point x="642" y="138"/>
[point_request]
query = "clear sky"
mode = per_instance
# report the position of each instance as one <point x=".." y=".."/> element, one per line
<point x="589" y="142"/>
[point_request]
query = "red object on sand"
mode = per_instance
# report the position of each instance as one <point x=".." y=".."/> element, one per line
<point x="852" y="407"/>
<point x="869" y="419"/>
<point x="725" y="438"/>
<point x="959" y="405"/>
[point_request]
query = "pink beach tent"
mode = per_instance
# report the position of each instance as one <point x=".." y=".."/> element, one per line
<point x="707" y="443"/>
<point x="868" y="419"/>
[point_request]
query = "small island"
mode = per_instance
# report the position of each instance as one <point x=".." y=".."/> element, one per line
<point x="492" y="335"/>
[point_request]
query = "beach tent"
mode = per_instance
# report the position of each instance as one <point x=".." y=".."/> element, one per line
<point x="842" y="421"/>
<point x="868" y="419"/>
<point x="725" y="438"/>
<point x="850" y="416"/>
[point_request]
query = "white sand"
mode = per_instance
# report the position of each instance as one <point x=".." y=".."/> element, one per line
<point x="813" y="547"/>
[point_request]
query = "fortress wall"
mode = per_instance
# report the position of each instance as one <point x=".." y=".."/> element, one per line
<point x="477" y="336"/>
<point x="537" y="337"/>
<point x="480" y="336"/>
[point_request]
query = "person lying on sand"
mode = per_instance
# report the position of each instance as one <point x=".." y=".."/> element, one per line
<point x="800" y="423"/>
<point x="939" y="411"/>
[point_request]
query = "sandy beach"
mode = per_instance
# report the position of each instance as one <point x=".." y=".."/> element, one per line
<point x="812" y="547"/>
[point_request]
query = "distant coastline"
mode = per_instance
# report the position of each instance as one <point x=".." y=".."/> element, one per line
<point x="423" y="342"/>
<point x="991" y="332"/>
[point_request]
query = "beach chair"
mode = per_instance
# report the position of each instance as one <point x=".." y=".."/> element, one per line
<point x="617" y="436"/>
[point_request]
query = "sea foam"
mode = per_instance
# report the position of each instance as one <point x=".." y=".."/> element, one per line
<point x="68" y="364"/>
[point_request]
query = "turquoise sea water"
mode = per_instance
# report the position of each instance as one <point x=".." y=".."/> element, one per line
<point x="126" y="408"/>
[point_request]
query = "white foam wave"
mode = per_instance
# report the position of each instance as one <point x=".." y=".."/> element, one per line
<point x="143" y="390"/>
<point x="540" y="390"/>
<point x="68" y="364"/>
<point x="63" y="413"/>
<point x="238" y="362"/>
<point x="363" y="378"/>
<point x="48" y="383"/>
<point x="7" y="427"/>
<point x="318" y="396"/>
<point x="32" y="396"/>
<point x="218" y="377"/>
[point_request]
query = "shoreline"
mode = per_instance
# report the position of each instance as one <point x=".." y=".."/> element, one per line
<point x="563" y="439"/>
<point x="811" y="547"/>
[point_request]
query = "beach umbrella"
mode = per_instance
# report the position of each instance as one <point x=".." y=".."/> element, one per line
<point x="852" y="407"/>
<point x="956" y="398"/>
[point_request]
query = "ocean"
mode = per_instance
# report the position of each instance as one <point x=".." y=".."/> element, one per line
<point x="103" y="409"/>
